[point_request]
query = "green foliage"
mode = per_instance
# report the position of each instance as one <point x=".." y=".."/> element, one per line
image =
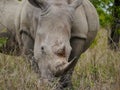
<point x="104" y="9"/>
<point x="117" y="32"/>
<point x="3" y="41"/>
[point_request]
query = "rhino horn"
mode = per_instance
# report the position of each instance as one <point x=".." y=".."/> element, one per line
<point x="39" y="3"/>
<point x="76" y="3"/>
<point x="65" y="68"/>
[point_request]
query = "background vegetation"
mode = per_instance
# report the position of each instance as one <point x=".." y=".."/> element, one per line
<point x="109" y="14"/>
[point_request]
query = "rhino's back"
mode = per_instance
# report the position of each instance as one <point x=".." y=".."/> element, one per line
<point x="85" y="23"/>
<point x="8" y="10"/>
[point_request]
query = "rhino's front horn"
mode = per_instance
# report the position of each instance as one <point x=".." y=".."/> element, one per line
<point x="65" y="68"/>
<point x="76" y="3"/>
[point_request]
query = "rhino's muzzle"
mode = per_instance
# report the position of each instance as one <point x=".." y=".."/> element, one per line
<point x="63" y="69"/>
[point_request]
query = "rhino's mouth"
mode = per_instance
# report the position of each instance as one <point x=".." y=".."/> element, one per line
<point x="56" y="70"/>
<point x="61" y="69"/>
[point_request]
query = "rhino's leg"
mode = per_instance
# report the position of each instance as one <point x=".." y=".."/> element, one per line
<point x="27" y="50"/>
<point x="77" y="49"/>
<point x="27" y="44"/>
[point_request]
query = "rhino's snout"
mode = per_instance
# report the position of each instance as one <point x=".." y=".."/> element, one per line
<point x="61" y="67"/>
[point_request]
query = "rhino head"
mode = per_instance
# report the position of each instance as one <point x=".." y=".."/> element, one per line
<point x="52" y="41"/>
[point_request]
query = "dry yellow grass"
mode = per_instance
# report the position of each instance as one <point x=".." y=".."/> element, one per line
<point x="97" y="69"/>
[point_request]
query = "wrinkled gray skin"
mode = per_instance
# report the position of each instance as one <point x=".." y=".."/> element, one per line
<point x="56" y="31"/>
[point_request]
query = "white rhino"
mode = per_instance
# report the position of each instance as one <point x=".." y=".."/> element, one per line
<point x="57" y="32"/>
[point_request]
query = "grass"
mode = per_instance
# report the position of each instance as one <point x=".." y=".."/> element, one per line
<point x="97" y="69"/>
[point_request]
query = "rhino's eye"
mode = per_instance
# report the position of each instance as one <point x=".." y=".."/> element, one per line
<point x="61" y="52"/>
<point x="42" y="48"/>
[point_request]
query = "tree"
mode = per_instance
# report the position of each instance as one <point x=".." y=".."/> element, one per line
<point x="115" y="27"/>
<point x="109" y="14"/>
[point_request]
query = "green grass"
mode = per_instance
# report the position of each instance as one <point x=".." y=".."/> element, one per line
<point x="97" y="69"/>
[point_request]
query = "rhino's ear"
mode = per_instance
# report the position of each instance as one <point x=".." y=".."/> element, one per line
<point x="38" y="3"/>
<point x="75" y="3"/>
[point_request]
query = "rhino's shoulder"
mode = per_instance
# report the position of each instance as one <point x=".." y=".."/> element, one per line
<point x="85" y="20"/>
